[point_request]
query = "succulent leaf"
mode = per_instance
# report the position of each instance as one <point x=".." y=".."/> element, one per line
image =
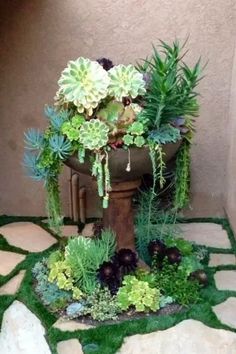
<point x="125" y="81"/>
<point x="128" y="139"/>
<point x="84" y="82"/>
<point x="60" y="146"/>
<point x="34" y="139"/>
<point x="94" y="134"/>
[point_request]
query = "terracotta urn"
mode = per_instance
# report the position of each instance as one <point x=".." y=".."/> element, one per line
<point x="119" y="214"/>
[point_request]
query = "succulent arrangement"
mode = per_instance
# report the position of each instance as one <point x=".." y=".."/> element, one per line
<point x="89" y="279"/>
<point x="100" y="107"/>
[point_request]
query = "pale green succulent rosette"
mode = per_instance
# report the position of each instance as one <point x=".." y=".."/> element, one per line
<point x="85" y="83"/>
<point x="94" y="134"/>
<point x="125" y="81"/>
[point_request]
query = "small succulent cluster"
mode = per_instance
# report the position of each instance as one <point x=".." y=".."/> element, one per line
<point x="111" y="273"/>
<point x="89" y="278"/>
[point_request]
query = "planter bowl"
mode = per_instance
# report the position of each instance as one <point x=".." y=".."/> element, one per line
<point x="140" y="162"/>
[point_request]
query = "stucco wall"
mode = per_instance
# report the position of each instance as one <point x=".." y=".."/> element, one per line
<point x="39" y="37"/>
<point x="231" y="166"/>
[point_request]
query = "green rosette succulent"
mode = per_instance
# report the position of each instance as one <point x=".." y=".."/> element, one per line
<point x="125" y="81"/>
<point x="94" y="134"/>
<point x="72" y="128"/>
<point x="83" y="82"/>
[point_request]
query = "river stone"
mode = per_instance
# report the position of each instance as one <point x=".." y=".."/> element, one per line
<point x="70" y="325"/>
<point x="13" y="285"/>
<point x="217" y="259"/>
<point x="9" y="260"/>
<point x="187" y="337"/>
<point x="28" y="236"/>
<point x="225" y="280"/>
<point x="71" y="346"/>
<point x="226" y="312"/>
<point x="207" y="234"/>
<point x="22" y="332"/>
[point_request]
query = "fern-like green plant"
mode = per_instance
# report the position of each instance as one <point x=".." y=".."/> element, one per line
<point x="85" y="255"/>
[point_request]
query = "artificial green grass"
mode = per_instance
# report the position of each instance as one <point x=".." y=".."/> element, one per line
<point x="107" y="339"/>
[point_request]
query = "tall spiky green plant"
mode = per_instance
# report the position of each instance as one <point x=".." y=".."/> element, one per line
<point x="171" y="90"/>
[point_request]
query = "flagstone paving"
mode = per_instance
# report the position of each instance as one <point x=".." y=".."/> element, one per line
<point x="217" y="259"/>
<point x="226" y="312"/>
<point x="70" y="325"/>
<point x="71" y="346"/>
<point x="225" y="280"/>
<point x="8" y="261"/>
<point x="22" y="332"/>
<point x="208" y="234"/>
<point x="28" y="236"/>
<point x="187" y="337"/>
<point x="13" y="285"/>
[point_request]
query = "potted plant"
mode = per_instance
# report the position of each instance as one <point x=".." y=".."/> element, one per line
<point x="117" y="123"/>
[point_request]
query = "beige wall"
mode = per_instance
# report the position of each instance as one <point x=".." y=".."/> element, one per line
<point x="231" y="166"/>
<point x="40" y="36"/>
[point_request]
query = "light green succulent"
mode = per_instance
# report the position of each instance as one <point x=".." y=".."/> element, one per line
<point x="71" y="128"/>
<point x="139" y="141"/>
<point x="136" y="128"/>
<point x="85" y="83"/>
<point x="94" y="134"/>
<point x="128" y="139"/>
<point x="139" y="294"/>
<point x="125" y="81"/>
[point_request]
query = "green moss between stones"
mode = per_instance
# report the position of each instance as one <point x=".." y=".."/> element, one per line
<point x="107" y="339"/>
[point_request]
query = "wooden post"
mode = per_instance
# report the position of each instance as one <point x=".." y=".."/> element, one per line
<point x="119" y="214"/>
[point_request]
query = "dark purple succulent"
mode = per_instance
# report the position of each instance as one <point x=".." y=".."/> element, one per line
<point x="105" y="63"/>
<point x="201" y="276"/>
<point x="126" y="260"/>
<point x="97" y="228"/>
<point x="173" y="255"/>
<point x="156" y="248"/>
<point x="109" y="276"/>
<point x="126" y="101"/>
<point x="107" y="271"/>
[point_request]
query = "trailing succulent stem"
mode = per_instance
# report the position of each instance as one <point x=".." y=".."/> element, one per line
<point x="54" y="204"/>
<point x="182" y="176"/>
<point x="101" y="171"/>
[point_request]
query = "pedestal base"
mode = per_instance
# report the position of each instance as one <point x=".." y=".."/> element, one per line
<point x="119" y="214"/>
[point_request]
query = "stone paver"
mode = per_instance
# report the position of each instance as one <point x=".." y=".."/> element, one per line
<point x="226" y="312"/>
<point x="22" y="332"/>
<point x="71" y="346"/>
<point x="9" y="260"/>
<point x="88" y="230"/>
<point x="225" y="279"/>
<point x="28" y="236"/>
<point x="69" y="230"/>
<point x="70" y="325"/>
<point x="187" y="337"/>
<point x="13" y="285"/>
<point x="208" y="234"/>
<point x="217" y="259"/>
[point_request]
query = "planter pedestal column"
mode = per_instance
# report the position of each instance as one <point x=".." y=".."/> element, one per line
<point x="119" y="214"/>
